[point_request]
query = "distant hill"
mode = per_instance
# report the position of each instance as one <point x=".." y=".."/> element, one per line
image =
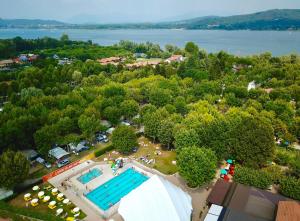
<point x="277" y="19"/>
<point x="29" y="23"/>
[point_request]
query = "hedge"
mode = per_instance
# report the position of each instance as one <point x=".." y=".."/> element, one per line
<point x="252" y="177"/>
<point x="8" y="209"/>
<point x="290" y="187"/>
<point x="98" y="153"/>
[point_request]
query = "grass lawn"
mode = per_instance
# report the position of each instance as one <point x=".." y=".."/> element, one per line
<point x="43" y="207"/>
<point x="163" y="162"/>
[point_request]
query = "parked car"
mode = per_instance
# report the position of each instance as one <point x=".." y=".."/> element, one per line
<point x="62" y="163"/>
<point x="43" y="162"/>
<point x="101" y="138"/>
<point x="47" y="165"/>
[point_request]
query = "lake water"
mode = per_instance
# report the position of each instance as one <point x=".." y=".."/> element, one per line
<point x="236" y="42"/>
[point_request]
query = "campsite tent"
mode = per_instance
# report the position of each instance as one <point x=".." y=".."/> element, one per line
<point x="156" y="199"/>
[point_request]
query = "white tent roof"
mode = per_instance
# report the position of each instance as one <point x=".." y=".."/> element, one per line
<point x="156" y="199"/>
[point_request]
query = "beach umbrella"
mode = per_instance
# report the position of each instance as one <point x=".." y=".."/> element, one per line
<point x="52" y="203"/>
<point x="66" y="201"/>
<point x="59" y="211"/>
<point x="41" y="193"/>
<point x="223" y="172"/>
<point x="76" y="210"/>
<point x="54" y="190"/>
<point x="46" y="198"/>
<point x="61" y="195"/>
<point x="35" y="200"/>
<point x="27" y="195"/>
<point x="35" y="188"/>
<point x="230" y="161"/>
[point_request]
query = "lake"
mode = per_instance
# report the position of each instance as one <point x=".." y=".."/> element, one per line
<point x="236" y="42"/>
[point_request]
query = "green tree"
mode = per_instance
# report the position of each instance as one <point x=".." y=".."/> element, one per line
<point x="165" y="132"/>
<point x="152" y="122"/>
<point x="251" y="140"/>
<point x="197" y="165"/>
<point x="14" y="168"/>
<point x="124" y="139"/>
<point x="185" y="138"/>
<point x="129" y="108"/>
<point x="112" y="114"/>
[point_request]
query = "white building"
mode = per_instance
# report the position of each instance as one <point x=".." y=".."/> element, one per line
<point x="175" y="58"/>
<point x="156" y="199"/>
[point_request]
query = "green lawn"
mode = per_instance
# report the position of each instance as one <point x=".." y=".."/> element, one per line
<point x="163" y="162"/>
<point x="19" y="202"/>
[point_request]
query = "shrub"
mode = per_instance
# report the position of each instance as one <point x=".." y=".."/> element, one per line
<point x="283" y="157"/>
<point x="252" y="177"/>
<point x="98" y="153"/>
<point x="275" y="172"/>
<point x="290" y="187"/>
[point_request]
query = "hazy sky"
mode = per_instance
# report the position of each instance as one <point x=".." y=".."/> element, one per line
<point x="111" y="11"/>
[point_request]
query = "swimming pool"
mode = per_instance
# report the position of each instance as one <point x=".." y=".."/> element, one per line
<point x="87" y="177"/>
<point x="113" y="190"/>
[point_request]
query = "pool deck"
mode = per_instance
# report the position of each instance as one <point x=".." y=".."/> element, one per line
<point x="75" y="190"/>
<point x="75" y="193"/>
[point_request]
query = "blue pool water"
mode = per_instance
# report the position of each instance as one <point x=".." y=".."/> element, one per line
<point x="113" y="190"/>
<point x="87" y="177"/>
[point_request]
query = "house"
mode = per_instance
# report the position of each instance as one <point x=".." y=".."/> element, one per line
<point x="110" y="60"/>
<point x="235" y="202"/>
<point x="156" y="199"/>
<point x="175" y="58"/>
<point x="27" y="57"/>
<point x="6" y="63"/>
<point x="251" y="85"/>
<point x="140" y="64"/>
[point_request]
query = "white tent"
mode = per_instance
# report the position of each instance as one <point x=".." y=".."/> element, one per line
<point x="156" y="200"/>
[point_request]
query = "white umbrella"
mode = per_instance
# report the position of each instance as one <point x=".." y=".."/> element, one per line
<point x="59" y="211"/>
<point x="27" y="195"/>
<point x="35" y="188"/>
<point x="35" y="200"/>
<point x="76" y="210"/>
<point x="54" y="190"/>
<point x="61" y="195"/>
<point x="52" y="203"/>
<point x="46" y="198"/>
<point x="40" y="194"/>
<point x="66" y="201"/>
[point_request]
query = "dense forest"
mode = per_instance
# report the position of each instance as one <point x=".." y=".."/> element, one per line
<point x="201" y="107"/>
